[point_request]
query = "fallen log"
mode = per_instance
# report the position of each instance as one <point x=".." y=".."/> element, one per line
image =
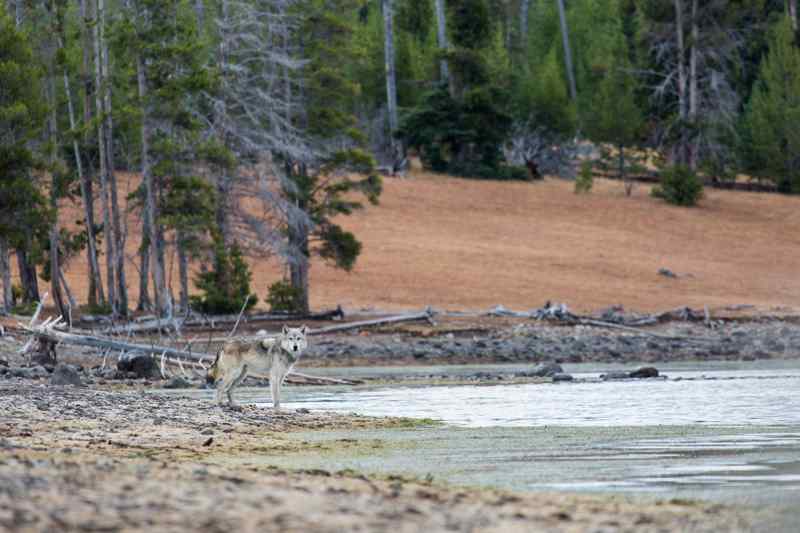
<point x="53" y="335"/>
<point x="214" y="321"/>
<point x="297" y="378"/>
<point x="424" y="315"/>
<point x="612" y="325"/>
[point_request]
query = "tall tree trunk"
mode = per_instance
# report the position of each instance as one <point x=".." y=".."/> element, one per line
<point x="562" y="16"/>
<point x="94" y="268"/>
<point x="223" y="180"/>
<point x="791" y="10"/>
<point x="145" y="304"/>
<point x="524" y="10"/>
<point x="298" y="267"/>
<point x="441" y="36"/>
<point x="183" y="272"/>
<point x="200" y="13"/>
<point x="52" y="135"/>
<point x="118" y="247"/>
<point x="391" y="80"/>
<point x="101" y="146"/>
<point x="18" y="12"/>
<point x="5" y="274"/>
<point x="27" y="273"/>
<point x="693" y="94"/>
<point x="96" y="292"/>
<point x="682" y="103"/>
<point x="162" y="300"/>
<point x="67" y="291"/>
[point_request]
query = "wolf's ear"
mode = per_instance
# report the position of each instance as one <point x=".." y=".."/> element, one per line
<point x="304" y="329"/>
<point x="285" y="329"/>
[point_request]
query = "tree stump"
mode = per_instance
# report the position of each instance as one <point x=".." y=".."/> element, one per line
<point x="45" y="352"/>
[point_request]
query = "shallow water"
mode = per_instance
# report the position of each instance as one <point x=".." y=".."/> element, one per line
<point x="727" y="432"/>
<point x="722" y="398"/>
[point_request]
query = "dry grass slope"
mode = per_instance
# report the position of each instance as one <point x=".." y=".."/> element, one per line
<point x="466" y="244"/>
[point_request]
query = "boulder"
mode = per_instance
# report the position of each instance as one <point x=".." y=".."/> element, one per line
<point x="645" y="372"/>
<point x="139" y="365"/>
<point x="32" y="372"/>
<point x="65" y="375"/>
<point x="547" y="370"/>
<point x="177" y="382"/>
<point x="615" y="374"/>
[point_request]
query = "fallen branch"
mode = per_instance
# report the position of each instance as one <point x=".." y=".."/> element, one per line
<point x="424" y="315"/>
<point x="612" y="325"/>
<point x="48" y="331"/>
<point x="297" y="378"/>
<point x="214" y="321"/>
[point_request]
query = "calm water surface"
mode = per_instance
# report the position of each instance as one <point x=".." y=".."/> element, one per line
<point x="728" y="432"/>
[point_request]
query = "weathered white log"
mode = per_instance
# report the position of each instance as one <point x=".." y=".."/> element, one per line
<point x="611" y="325"/>
<point x="424" y="315"/>
<point x="214" y="321"/>
<point x="304" y="379"/>
<point x="54" y="335"/>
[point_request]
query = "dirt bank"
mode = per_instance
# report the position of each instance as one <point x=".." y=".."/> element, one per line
<point x="472" y="244"/>
<point x="75" y="459"/>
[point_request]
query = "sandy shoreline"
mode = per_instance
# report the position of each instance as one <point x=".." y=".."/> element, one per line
<point x="82" y="459"/>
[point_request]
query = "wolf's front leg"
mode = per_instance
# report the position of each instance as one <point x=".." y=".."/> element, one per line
<point x="235" y="383"/>
<point x="276" y="375"/>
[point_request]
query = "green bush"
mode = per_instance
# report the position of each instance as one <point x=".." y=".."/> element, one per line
<point x="282" y="297"/>
<point x="679" y="186"/>
<point x="585" y="179"/>
<point x="226" y="287"/>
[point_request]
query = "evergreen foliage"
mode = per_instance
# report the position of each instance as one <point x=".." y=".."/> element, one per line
<point x="774" y="113"/>
<point x="226" y="286"/>
<point x="283" y="298"/>
<point x="680" y="185"/>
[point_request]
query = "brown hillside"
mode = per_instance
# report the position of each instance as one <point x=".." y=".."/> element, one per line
<point x="467" y="244"/>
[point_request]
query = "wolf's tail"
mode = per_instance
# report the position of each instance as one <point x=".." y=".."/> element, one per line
<point x="211" y="376"/>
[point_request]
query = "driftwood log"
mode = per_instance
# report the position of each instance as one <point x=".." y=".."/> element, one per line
<point x="47" y="335"/>
<point x="212" y="322"/>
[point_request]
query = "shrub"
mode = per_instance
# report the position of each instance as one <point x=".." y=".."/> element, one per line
<point x="226" y="287"/>
<point x="585" y="179"/>
<point x="282" y="297"/>
<point x="679" y="186"/>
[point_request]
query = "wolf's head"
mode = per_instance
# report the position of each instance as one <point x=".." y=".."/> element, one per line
<point x="293" y="340"/>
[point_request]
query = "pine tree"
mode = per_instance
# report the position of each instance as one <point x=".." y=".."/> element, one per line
<point x="774" y="112"/>
<point x="24" y="215"/>
<point x="615" y="118"/>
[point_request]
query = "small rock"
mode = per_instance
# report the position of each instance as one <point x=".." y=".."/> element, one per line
<point x="208" y="431"/>
<point x="139" y="366"/>
<point x="616" y="374"/>
<point x="547" y="370"/>
<point x="562" y="377"/>
<point x="32" y="372"/>
<point x="177" y="382"/>
<point x="65" y="375"/>
<point x="667" y="273"/>
<point x="303" y="411"/>
<point x="208" y="441"/>
<point x="644" y="372"/>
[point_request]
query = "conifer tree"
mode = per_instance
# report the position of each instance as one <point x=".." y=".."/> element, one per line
<point x="23" y="208"/>
<point x="774" y="112"/>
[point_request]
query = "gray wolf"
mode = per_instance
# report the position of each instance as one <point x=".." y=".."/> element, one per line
<point x="271" y="358"/>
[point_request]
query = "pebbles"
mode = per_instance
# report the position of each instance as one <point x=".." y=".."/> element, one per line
<point x="537" y="342"/>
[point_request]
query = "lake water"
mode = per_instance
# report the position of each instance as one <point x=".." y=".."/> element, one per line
<point x="705" y="397"/>
<point x="727" y="432"/>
